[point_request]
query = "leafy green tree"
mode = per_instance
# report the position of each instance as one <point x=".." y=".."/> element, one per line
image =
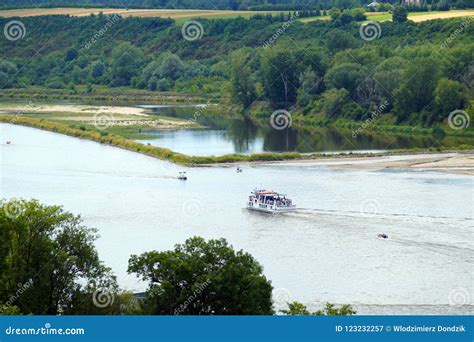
<point x="333" y="99"/>
<point x="171" y="67"/>
<point x="203" y="278"/>
<point x="298" y="309"/>
<point x="338" y="40"/>
<point x="243" y="84"/>
<point x="418" y="83"/>
<point x="127" y="60"/>
<point x="97" y="69"/>
<point x="280" y="76"/>
<point x="311" y="86"/>
<point x="8" y="73"/>
<point x="449" y="95"/>
<point x="346" y="75"/>
<point x="332" y="310"/>
<point x="400" y="14"/>
<point x="6" y="310"/>
<point x="47" y="259"/>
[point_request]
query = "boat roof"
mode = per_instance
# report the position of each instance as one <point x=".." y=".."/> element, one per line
<point x="266" y="192"/>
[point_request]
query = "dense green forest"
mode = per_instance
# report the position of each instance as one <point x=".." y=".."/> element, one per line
<point x="414" y="73"/>
<point x="222" y="4"/>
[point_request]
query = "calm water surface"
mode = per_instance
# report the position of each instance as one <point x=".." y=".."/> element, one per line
<point x="326" y="252"/>
<point x="241" y="136"/>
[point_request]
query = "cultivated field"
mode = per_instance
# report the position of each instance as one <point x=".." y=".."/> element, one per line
<point x="163" y="13"/>
<point x="184" y="14"/>
<point x="416" y="17"/>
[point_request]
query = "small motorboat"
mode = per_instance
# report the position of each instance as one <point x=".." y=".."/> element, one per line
<point x="239" y="170"/>
<point x="9" y="142"/>
<point x="269" y="202"/>
<point x="382" y="236"/>
<point x="182" y="176"/>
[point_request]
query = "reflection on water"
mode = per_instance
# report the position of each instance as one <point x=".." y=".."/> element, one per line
<point x="326" y="252"/>
<point x="242" y="136"/>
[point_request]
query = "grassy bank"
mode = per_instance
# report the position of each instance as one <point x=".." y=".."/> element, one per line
<point x="103" y="94"/>
<point x="178" y="158"/>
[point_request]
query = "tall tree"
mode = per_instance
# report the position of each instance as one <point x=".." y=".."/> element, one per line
<point x="203" y="278"/>
<point x="243" y="84"/>
<point x="280" y="76"/>
<point x="47" y="259"/>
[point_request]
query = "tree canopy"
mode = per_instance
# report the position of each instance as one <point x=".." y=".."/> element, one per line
<point x="203" y="278"/>
<point x="48" y="263"/>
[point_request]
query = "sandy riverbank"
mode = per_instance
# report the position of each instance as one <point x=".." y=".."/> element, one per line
<point x="451" y="162"/>
<point x="71" y="108"/>
<point x="107" y="116"/>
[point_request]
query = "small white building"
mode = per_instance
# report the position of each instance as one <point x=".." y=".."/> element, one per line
<point x="373" y="5"/>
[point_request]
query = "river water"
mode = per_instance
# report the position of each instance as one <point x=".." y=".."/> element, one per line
<point x="328" y="251"/>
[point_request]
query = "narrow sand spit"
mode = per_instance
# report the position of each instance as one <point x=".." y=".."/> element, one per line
<point x="453" y="162"/>
<point x="85" y="109"/>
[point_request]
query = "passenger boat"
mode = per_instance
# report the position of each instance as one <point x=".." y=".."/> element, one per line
<point x="269" y="202"/>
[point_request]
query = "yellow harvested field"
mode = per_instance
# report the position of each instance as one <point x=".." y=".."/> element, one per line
<point x="164" y="13"/>
<point x="446" y="15"/>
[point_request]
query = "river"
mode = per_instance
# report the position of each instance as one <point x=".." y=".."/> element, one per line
<point x="328" y="251"/>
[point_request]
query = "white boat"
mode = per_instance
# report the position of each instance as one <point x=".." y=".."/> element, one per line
<point x="182" y="176"/>
<point x="270" y="202"/>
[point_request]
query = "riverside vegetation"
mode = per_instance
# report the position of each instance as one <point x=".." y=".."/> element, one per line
<point x="322" y="73"/>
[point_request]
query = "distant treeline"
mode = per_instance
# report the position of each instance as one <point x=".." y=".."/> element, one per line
<point x="277" y="5"/>
<point x="325" y="70"/>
